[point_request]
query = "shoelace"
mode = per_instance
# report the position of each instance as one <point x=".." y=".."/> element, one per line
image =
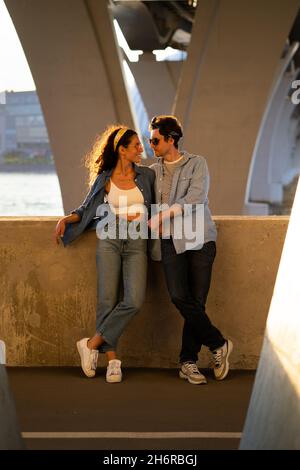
<point x="192" y="367"/>
<point x="114" y="370"/>
<point x="94" y="359"/>
<point x="217" y="355"/>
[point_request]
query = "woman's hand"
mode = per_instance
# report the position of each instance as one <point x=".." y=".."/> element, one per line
<point x="60" y="229"/>
<point x="62" y="223"/>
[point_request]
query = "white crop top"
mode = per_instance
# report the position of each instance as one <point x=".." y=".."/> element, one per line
<point x="125" y="202"/>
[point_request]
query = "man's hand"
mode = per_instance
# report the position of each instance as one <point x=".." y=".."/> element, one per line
<point x="158" y="221"/>
<point x="155" y="223"/>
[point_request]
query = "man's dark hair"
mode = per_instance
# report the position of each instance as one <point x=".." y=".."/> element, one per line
<point x="168" y="126"/>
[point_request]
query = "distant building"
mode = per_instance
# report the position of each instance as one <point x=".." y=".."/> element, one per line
<point x="22" y="126"/>
<point x="2" y="130"/>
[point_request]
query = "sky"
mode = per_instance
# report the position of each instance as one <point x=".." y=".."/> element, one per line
<point x="14" y="71"/>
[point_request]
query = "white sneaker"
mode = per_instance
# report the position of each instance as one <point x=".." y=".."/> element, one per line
<point x="221" y="362"/>
<point x="114" y="373"/>
<point x="190" y="372"/>
<point x="89" y="357"/>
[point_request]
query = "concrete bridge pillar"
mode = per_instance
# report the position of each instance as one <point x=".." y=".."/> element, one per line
<point x="157" y="82"/>
<point x="274" y="412"/>
<point x="74" y="58"/>
<point x="232" y="58"/>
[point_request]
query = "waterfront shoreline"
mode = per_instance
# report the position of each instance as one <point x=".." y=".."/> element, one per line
<point x="27" y="168"/>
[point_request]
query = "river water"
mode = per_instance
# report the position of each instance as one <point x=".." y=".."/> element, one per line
<point x="30" y="194"/>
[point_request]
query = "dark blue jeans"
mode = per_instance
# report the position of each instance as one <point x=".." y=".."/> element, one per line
<point x="188" y="277"/>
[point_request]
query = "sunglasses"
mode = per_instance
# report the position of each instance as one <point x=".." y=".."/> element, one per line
<point x="154" y="141"/>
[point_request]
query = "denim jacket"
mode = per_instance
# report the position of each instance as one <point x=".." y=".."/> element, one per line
<point x="190" y="185"/>
<point x="144" y="180"/>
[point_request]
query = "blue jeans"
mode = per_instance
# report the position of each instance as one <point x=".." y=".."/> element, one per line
<point x="119" y="260"/>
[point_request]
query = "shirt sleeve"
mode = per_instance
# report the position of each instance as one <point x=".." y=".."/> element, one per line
<point x="197" y="192"/>
<point x="80" y="210"/>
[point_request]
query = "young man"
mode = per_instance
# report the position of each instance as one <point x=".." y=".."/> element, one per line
<point x="182" y="180"/>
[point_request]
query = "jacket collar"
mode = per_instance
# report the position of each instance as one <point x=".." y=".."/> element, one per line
<point x="186" y="157"/>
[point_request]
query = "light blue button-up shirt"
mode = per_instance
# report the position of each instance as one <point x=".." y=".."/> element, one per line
<point x="190" y="185"/>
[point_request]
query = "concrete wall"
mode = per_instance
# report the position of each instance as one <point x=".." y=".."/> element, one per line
<point x="48" y="295"/>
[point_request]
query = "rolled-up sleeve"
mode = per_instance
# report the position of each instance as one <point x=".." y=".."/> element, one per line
<point x="79" y="211"/>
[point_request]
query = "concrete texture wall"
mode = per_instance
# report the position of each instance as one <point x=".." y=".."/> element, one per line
<point x="232" y="59"/>
<point x="48" y="295"/>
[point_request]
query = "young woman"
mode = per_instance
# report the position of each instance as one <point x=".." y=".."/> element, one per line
<point x="127" y="190"/>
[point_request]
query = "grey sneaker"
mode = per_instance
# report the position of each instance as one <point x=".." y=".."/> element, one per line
<point x="114" y="373"/>
<point x="89" y="357"/>
<point x="190" y="372"/>
<point x="221" y="362"/>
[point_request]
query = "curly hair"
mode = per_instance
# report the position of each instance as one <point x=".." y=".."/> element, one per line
<point x="103" y="156"/>
<point x="168" y="126"/>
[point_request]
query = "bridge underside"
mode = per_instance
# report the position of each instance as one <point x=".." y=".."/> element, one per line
<point x="220" y="96"/>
